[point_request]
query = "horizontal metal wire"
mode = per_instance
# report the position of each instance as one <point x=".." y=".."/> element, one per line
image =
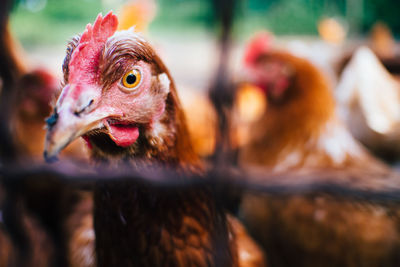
<point x="340" y="183"/>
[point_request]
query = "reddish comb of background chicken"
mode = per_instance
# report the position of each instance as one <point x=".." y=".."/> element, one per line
<point x="260" y="44"/>
<point x="83" y="67"/>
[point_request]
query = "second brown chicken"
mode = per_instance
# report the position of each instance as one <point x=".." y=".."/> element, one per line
<point x="300" y="131"/>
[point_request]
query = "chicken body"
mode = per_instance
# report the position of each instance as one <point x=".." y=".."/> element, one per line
<point x="119" y="95"/>
<point x="35" y="90"/>
<point x="369" y="102"/>
<point x="300" y="131"/>
<point x="30" y="208"/>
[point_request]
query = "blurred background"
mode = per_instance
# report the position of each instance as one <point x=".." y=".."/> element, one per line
<point x="38" y="22"/>
<point x="325" y="32"/>
<point x="44" y="26"/>
<point x="345" y="52"/>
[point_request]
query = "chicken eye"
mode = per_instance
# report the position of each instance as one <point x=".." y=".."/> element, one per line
<point x="131" y="79"/>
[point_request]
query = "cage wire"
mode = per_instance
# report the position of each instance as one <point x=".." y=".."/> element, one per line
<point x="223" y="175"/>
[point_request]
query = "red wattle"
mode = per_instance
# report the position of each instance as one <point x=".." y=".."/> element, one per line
<point x="87" y="141"/>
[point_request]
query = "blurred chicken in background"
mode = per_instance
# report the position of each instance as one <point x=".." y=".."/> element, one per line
<point x="28" y="244"/>
<point x="299" y="131"/>
<point x="137" y="13"/>
<point x="300" y="110"/>
<point x="201" y="120"/>
<point x="332" y="30"/>
<point x="382" y="41"/>
<point x="369" y="100"/>
<point x="383" y="44"/>
<point x="35" y="89"/>
<point x="250" y="106"/>
<point x="325" y="52"/>
<point x="32" y="214"/>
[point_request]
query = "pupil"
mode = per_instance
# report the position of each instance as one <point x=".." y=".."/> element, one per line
<point x="131" y="79"/>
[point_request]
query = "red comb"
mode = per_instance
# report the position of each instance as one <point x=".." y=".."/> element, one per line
<point x="83" y="66"/>
<point x="260" y="44"/>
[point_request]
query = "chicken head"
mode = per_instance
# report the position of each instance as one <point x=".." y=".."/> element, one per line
<point x="114" y="85"/>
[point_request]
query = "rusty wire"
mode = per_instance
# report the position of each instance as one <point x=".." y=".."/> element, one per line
<point x="339" y="183"/>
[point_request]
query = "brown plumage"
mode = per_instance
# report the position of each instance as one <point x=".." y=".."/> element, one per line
<point x="29" y="233"/>
<point x="28" y="244"/>
<point x="299" y="131"/>
<point x="300" y="121"/>
<point x="36" y="208"/>
<point x="369" y="104"/>
<point x="35" y="89"/>
<point x="34" y="92"/>
<point x="122" y="99"/>
<point x="7" y="254"/>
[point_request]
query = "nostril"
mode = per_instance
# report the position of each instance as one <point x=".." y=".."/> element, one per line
<point x="49" y="159"/>
<point x="78" y="113"/>
<point x="52" y="120"/>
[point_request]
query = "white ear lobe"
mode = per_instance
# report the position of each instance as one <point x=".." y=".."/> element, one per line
<point x="164" y="82"/>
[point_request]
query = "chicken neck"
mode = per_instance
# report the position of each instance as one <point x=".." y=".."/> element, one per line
<point x="142" y="225"/>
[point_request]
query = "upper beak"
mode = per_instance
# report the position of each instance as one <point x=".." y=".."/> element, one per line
<point x="65" y="130"/>
<point x="68" y="122"/>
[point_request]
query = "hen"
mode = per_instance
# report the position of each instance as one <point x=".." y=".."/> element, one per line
<point x="382" y="41"/>
<point x="369" y="102"/>
<point x="300" y="131"/>
<point x="35" y="89"/>
<point x="121" y="98"/>
<point x="32" y="211"/>
<point x="34" y="92"/>
<point x="137" y="13"/>
<point x="23" y="239"/>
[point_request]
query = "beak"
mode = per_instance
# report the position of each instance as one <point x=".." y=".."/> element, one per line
<point x="69" y="121"/>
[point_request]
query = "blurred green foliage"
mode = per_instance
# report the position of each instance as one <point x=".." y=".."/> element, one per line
<point x="59" y="20"/>
<point x="387" y="11"/>
<point x="182" y="15"/>
<point x="56" y="23"/>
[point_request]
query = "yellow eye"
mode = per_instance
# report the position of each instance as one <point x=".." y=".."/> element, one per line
<point x="131" y="79"/>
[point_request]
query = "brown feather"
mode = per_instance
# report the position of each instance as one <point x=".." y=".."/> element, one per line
<point x="316" y="230"/>
<point x="139" y="225"/>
